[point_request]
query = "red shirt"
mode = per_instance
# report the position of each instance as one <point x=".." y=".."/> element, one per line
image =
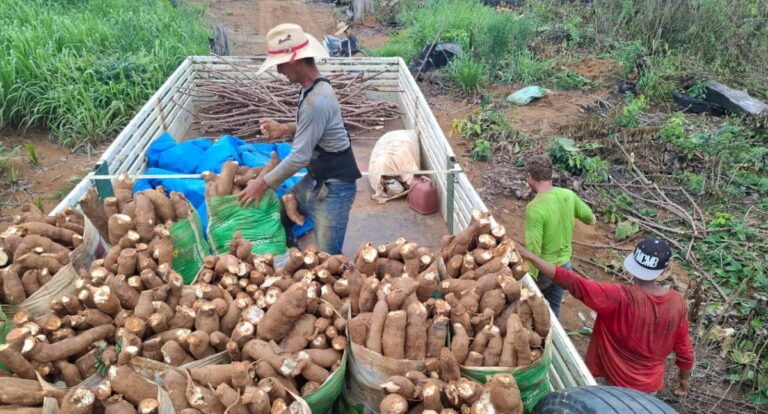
<point x="634" y="332"/>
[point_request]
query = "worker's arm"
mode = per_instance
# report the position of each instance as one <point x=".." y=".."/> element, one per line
<point x="534" y="234"/>
<point x="309" y="130"/>
<point x="583" y="212"/>
<point x="684" y="358"/>
<point x="601" y="297"/>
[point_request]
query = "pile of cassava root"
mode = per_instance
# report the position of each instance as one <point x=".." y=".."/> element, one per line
<point x="213" y="389"/>
<point x="486" y="307"/>
<point x="147" y="214"/>
<point x="291" y="323"/>
<point x="227" y="389"/>
<point x="390" y="299"/>
<point x="442" y="390"/>
<point x="395" y="315"/>
<point x="124" y="391"/>
<point x="234" y="178"/>
<point x="34" y="248"/>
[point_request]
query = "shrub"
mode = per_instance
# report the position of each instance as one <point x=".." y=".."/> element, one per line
<point x="398" y="45"/>
<point x="467" y="72"/>
<point x="570" y="80"/>
<point x="524" y="67"/>
<point x="628" y="117"/>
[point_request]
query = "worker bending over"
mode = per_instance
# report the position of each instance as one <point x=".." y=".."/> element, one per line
<point x="320" y="140"/>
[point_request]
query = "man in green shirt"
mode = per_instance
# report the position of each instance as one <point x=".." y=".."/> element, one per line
<point x="549" y="222"/>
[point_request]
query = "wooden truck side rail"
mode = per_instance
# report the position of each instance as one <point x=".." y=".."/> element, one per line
<point x="170" y="110"/>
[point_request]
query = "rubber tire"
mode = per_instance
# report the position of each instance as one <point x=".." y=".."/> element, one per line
<point x="601" y="399"/>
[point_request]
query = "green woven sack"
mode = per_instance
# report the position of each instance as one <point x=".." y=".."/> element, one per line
<point x="261" y="225"/>
<point x="189" y="246"/>
<point x="533" y="380"/>
<point x="321" y="401"/>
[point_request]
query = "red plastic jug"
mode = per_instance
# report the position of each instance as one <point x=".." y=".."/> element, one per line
<point x="423" y="196"/>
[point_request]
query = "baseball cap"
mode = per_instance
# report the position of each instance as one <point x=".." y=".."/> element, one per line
<point x="649" y="259"/>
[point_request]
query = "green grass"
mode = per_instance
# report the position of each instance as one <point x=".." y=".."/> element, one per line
<point x="468" y="73"/>
<point x="488" y="38"/>
<point x="82" y="68"/>
<point x="6" y="154"/>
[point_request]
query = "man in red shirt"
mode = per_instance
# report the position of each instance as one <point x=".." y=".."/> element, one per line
<point x="637" y="326"/>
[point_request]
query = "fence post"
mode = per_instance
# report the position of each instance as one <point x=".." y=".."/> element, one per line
<point x="449" y="189"/>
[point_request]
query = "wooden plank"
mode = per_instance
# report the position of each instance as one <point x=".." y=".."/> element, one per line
<point x="562" y="368"/>
<point x="137" y="130"/>
<point x="145" y="132"/>
<point x="422" y="102"/>
<point x="183" y="121"/>
<point x="74" y="196"/>
<point x="125" y="135"/>
<point x="554" y="379"/>
<point x="152" y="133"/>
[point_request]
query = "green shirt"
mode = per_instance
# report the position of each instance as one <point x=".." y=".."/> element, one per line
<point x="549" y="221"/>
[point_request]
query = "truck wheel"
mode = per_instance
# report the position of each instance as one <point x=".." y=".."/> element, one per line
<point x="601" y="399"/>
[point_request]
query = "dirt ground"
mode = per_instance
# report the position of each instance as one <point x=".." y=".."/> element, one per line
<point x="45" y="184"/>
<point x="248" y="21"/>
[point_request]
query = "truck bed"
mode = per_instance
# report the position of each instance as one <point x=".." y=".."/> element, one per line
<point x="170" y="111"/>
<point x="377" y="223"/>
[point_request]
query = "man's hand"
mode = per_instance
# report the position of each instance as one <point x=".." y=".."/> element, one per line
<point x="274" y="129"/>
<point x="252" y="192"/>
<point x="682" y="383"/>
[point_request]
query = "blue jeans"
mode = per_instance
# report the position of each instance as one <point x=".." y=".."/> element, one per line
<point x="552" y="292"/>
<point x="329" y="215"/>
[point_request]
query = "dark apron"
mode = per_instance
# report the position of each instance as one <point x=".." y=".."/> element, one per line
<point x="325" y="165"/>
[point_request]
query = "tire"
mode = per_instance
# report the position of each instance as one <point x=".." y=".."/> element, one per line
<point x="600" y="399"/>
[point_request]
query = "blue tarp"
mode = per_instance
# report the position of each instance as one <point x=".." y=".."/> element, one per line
<point x="166" y="157"/>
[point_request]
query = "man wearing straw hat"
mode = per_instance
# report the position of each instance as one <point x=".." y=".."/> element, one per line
<point x="637" y="327"/>
<point x="320" y="140"/>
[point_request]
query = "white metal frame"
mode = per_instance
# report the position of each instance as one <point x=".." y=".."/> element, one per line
<point x="170" y="110"/>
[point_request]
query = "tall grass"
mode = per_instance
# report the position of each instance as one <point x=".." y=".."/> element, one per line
<point x="468" y="73"/>
<point x="723" y="38"/>
<point x="81" y="68"/>
<point x="488" y="38"/>
<point x="722" y="31"/>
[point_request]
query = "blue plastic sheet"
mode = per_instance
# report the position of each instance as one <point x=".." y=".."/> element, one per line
<point x="182" y="158"/>
<point x="165" y="157"/>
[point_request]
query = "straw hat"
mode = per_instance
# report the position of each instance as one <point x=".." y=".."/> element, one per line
<point x="341" y="27"/>
<point x="288" y="42"/>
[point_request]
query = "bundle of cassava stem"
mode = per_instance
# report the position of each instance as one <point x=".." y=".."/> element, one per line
<point x="513" y="340"/>
<point x="34" y="248"/>
<point x="234" y="178"/>
<point x="231" y="388"/>
<point x="289" y="318"/>
<point x="442" y="390"/>
<point x="143" y="213"/>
